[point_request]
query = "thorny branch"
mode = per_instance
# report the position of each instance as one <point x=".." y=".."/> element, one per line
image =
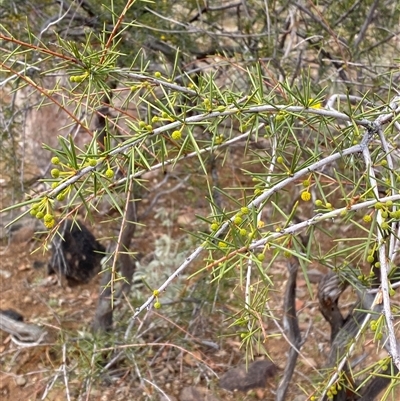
<point x="104" y="311"/>
<point x="394" y="352"/>
<point x="131" y="143"/>
<point x="250" y="262"/>
<point x="257" y="204"/>
<point x="370" y="131"/>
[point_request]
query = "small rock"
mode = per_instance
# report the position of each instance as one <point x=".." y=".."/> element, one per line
<point x="163" y="372"/>
<point x="310" y="363"/>
<point x="185" y="220"/>
<point x="23" y="267"/>
<point x="170" y="398"/>
<point x="94" y="392"/>
<point x="22" y="235"/>
<point x="23" y="231"/>
<point x="299" y="304"/>
<point x="5" y="273"/>
<point x="196" y="394"/>
<point x="245" y="379"/>
<point x="300" y="397"/>
<point x="37" y="264"/>
<point x="20" y="381"/>
<point x="314" y="276"/>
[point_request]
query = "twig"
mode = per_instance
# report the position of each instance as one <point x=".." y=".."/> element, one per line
<point x="292" y="328"/>
<point x="50" y="385"/>
<point x="367" y="22"/>
<point x="64" y="370"/>
<point x="159" y="194"/>
<point x="23" y="334"/>
<point x="384" y="269"/>
<point x="104" y="311"/>
<point x="89" y="379"/>
<point x="282" y="331"/>
<point x="56" y="21"/>
<point x="250" y="261"/>
<point x="157" y="388"/>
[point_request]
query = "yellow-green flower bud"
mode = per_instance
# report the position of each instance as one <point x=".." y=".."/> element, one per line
<point x="214" y="226"/>
<point x="48" y="217"/>
<point x="367" y="218"/>
<point x="39" y="215"/>
<point x="385" y="225"/>
<point x="176" y="135"/>
<point x="305" y="196"/>
<point x="55" y="172"/>
<point x="280" y="116"/>
<point x="260" y="257"/>
<point x="219" y="139"/>
<point x="49" y="224"/>
<point x="109" y="173"/>
<point x="237" y="220"/>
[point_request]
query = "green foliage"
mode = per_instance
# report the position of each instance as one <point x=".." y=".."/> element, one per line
<point x="330" y="159"/>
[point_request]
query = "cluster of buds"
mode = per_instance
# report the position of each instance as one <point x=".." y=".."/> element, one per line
<point x="157" y="304"/>
<point x="43" y="211"/>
